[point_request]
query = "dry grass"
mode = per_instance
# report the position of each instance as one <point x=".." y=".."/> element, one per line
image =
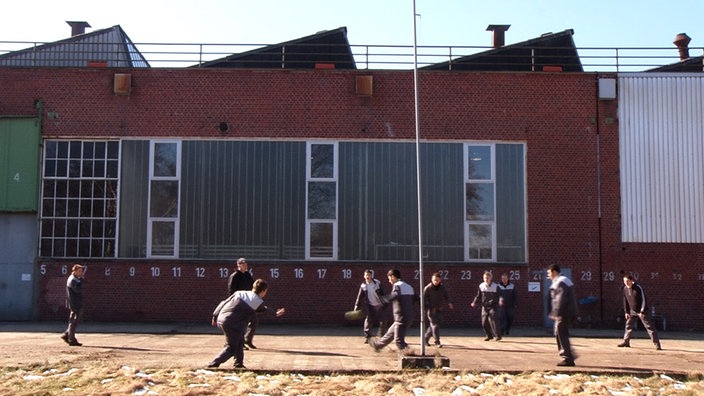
<point x="96" y="377"/>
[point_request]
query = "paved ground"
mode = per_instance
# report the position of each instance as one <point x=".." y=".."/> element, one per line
<point x="341" y="349"/>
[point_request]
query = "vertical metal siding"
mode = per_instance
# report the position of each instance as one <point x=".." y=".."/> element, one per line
<point x="661" y="133"/>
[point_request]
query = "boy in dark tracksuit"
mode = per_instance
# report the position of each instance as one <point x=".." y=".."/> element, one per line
<point x="435" y="296"/>
<point x="563" y="310"/>
<point x="232" y="316"/>
<point x="489" y="294"/>
<point x="370" y="292"/>
<point x="403" y="299"/>
<point x="635" y="307"/>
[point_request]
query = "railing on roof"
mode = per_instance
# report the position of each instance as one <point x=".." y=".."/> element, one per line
<point x="394" y="57"/>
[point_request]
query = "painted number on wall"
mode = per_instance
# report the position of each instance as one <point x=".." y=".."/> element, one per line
<point x="514" y="275"/>
<point x="274" y="272"/>
<point x="347" y="273"/>
<point x="586" y="276"/>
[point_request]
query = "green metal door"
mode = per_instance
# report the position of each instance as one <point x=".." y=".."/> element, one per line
<point x="19" y="164"/>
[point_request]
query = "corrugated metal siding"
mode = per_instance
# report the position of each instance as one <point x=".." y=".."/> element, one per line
<point x="661" y="132"/>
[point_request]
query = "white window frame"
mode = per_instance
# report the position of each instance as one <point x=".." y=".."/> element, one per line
<point x="491" y="180"/>
<point x="175" y="220"/>
<point x="309" y="180"/>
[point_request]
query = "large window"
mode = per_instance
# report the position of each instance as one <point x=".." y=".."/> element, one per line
<point x="494" y="202"/>
<point x="295" y="200"/>
<point x="238" y="199"/>
<point x="79" y="198"/>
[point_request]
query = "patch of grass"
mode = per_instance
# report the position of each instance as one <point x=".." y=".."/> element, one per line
<point x="102" y="378"/>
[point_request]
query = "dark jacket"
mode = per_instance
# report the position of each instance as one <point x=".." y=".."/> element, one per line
<point x="634" y="299"/>
<point x="74" y="293"/>
<point x="239" y="281"/>
<point x="435" y="297"/>
<point x="403" y="299"/>
<point x="509" y="295"/>
<point x="563" y="299"/>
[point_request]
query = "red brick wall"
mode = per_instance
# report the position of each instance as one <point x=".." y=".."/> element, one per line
<point x="572" y="177"/>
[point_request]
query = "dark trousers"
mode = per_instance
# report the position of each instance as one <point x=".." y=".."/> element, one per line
<point x="562" y="336"/>
<point x="489" y="322"/>
<point x="73" y="318"/>
<point x="251" y="327"/>
<point x="234" y="346"/>
<point x="506" y="319"/>
<point x="397" y="333"/>
<point x="434" y="319"/>
<point x="645" y="319"/>
<point x="376" y="317"/>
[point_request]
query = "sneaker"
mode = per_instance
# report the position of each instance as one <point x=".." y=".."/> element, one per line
<point x="249" y="345"/>
<point x="366" y="340"/>
<point x="488" y="338"/>
<point x="498" y="338"/>
<point x="74" y="343"/>
<point x="624" y="345"/>
<point x="658" y="347"/>
<point x="240" y="366"/>
<point x="213" y="365"/>
<point x="64" y="337"/>
<point x="566" y="363"/>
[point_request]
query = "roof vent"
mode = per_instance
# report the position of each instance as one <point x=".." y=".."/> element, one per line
<point x="682" y="43"/>
<point x="499" y="34"/>
<point x="78" y="27"/>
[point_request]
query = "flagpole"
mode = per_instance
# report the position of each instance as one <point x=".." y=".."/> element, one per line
<point x="418" y="184"/>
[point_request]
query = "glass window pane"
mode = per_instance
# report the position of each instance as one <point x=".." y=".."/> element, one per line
<point x="479" y="162"/>
<point x="479" y="241"/>
<point x="88" y="149"/>
<point x="100" y="150"/>
<point x="61" y="168"/>
<point x="322" y="161"/>
<point x="113" y="149"/>
<point x="165" y="159"/>
<point x="164" y="198"/>
<point x="321" y="239"/>
<point x="50" y="149"/>
<point x="321" y="200"/>
<point x="163" y="233"/>
<point x="480" y="201"/>
<point x="49" y="168"/>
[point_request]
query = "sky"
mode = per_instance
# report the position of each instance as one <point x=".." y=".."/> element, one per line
<point x="596" y="23"/>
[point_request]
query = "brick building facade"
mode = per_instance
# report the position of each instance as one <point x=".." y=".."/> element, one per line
<point x="572" y="177"/>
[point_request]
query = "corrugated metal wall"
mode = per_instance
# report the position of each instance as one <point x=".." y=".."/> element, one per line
<point x="661" y="133"/>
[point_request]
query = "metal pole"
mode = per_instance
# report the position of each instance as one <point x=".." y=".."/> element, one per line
<point x="418" y="186"/>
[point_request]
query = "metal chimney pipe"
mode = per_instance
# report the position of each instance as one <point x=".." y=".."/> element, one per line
<point x="682" y="43"/>
<point x="78" y="27"/>
<point x="499" y="34"/>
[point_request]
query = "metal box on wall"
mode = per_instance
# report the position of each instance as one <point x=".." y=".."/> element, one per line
<point x="19" y="164"/>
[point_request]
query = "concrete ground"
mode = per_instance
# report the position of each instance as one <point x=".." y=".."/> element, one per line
<point x="341" y="349"/>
